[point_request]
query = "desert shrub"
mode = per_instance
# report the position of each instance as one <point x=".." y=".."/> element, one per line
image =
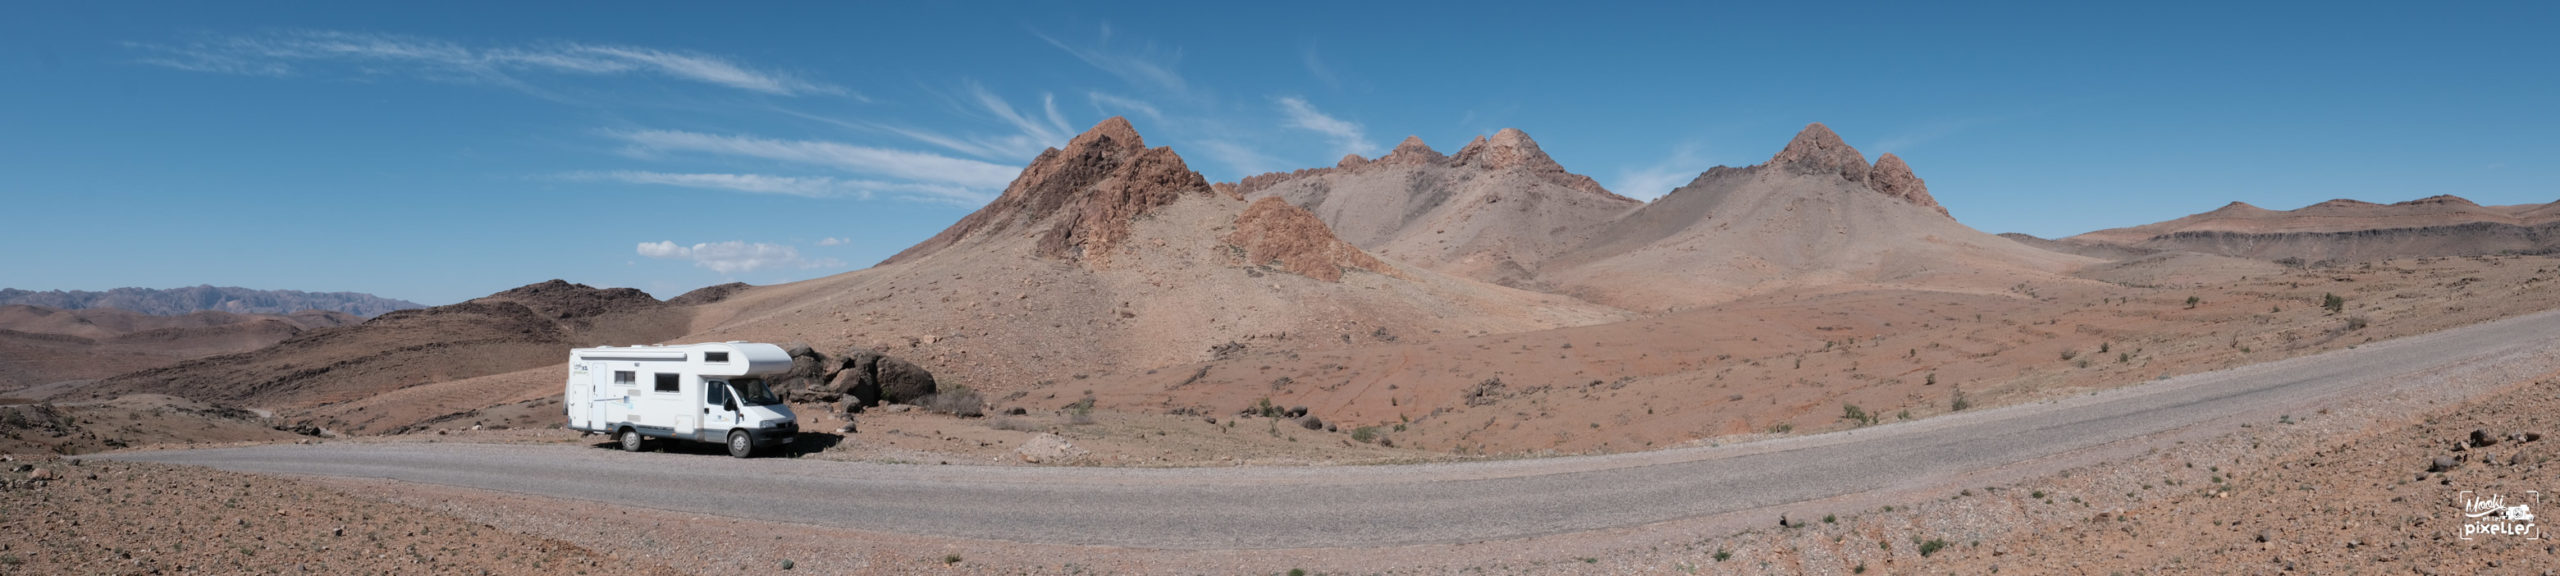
<point x="1364" y="434"/>
<point x="2357" y="323"/>
<point x="1781" y="428"/>
<point x="1011" y="424"/>
<point x="2333" y="302"/>
<point x="2067" y="355"/>
<point x="2192" y="301"/>
<point x="1855" y="414"/>
<point x="1960" y="403"/>
<point x="957" y="401"/>
<point x="1932" y="546"/>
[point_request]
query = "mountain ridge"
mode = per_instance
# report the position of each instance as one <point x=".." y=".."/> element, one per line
<point x="233" y="299"/>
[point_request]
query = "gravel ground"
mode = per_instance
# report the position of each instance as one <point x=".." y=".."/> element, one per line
<point x="2015" y="506"/>
<point x="105" y="517"/>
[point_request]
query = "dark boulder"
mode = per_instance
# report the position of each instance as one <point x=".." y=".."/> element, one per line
<point x="903" y="382"/>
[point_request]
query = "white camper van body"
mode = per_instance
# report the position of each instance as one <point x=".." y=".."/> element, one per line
<point x="710" y="392"/>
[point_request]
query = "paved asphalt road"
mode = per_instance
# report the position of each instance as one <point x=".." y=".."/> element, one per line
<point x="1283" y="507"/>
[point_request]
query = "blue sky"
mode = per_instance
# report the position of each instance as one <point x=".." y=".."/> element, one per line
<point x="440" y="152"/>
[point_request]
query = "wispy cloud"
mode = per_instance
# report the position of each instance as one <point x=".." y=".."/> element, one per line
<point x="1650" y="182"/>
<point x="1114" y="105"/>
<point x="801" y="186"/>
<point x="833" y="241"/>
<point x="735" y="256"/>
<point x="305" y="51"/>
<point x="1246" y="160"/>
<point x="1029" y="134"/>
<point x="897" y="164"/>
<point x="1345" y="135"/>
<point x="1317" y="68"/>
<point x="1144" y="65"/>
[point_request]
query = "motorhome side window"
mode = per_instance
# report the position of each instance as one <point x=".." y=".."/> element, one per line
<point x="717" y="394"/>
<point x="716" y="357"/>
<point x="626" y="378"/>
<point x="666" y="382"/>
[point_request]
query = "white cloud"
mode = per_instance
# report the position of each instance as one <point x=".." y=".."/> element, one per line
<point x="735" y="256"/>
<point x="802" y="186"/>
<point x="288" y="53"/>
<point x="1650" y="182"/>
<point x="833" y="241"/>
<point x="1346" y="135"/>
<point x="899" y="164"/>
<point x="1144" y="66"/>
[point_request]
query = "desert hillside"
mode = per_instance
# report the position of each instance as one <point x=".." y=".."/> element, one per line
<point x="1110" y="256"/>
<point x="44" y="346"/>
<point x="1494" y="212"/>
<point x="514" y="330"/>
<point x="2349" y="231"/>
<point x="1817" y="216"/>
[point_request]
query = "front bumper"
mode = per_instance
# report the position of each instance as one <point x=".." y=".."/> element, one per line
<point x="777" y="435"/>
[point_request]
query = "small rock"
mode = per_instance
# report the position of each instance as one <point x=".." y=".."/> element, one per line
<point x="897" y="408"/>
<point x="2481" y="438"/>
<point x="1296" y="411"/>
<point x="41" y="474"/>
<point x="2443" y="463"/>
<point x="1017" y="411"/>
<point x="846" y="429"/>
<point x="338" y="532"/>
<point x="475" y="427"/>
<point x="1209" y="419"/>
<point x="786" y="564"/>
<point x="1312" y="423"/>
<point x="2532" y="436"/>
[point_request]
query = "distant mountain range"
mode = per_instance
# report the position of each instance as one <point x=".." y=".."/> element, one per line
<point x="233" y="299"/>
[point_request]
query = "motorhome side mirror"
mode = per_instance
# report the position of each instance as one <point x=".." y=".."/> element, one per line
<point x="732" y="405"/>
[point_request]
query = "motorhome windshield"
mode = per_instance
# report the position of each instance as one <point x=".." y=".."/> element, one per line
<point x="753" y="392"/>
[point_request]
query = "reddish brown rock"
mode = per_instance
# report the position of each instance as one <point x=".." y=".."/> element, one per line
<point x="1512" y="149"/>
<point x="1817" y="150"/>
<point x="1086" y="193"/>
<point x="1284" y="236"/>
<point x="1894" y="178"/>
<point x="1411" y="151"/>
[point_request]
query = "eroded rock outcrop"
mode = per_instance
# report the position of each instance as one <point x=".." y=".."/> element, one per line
<point x="1274" y="232"/>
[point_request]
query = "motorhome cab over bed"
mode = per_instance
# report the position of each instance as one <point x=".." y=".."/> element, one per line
<point x="710" y="392"/>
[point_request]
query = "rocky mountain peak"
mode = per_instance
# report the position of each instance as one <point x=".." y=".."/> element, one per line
<point x="1894" y="178"/>
<point x="1113" y="132"/>
<point x="1506" y="149"/>
<point x="1412" y="151"/>
<point x="1817" y="150"/>
<point x="1351" y="161"/>
<point x="1086" y="193"/>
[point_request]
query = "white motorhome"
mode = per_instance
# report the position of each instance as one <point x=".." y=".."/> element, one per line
<point x="709" y="392"/>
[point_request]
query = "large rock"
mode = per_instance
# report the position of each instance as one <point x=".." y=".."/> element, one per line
<point x="903" y="382"/>
<point x="807" y="379"/>
<point x="856" y="378"/>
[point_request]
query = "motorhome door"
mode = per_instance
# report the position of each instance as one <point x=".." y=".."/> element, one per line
<point x="716" y="415"/>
